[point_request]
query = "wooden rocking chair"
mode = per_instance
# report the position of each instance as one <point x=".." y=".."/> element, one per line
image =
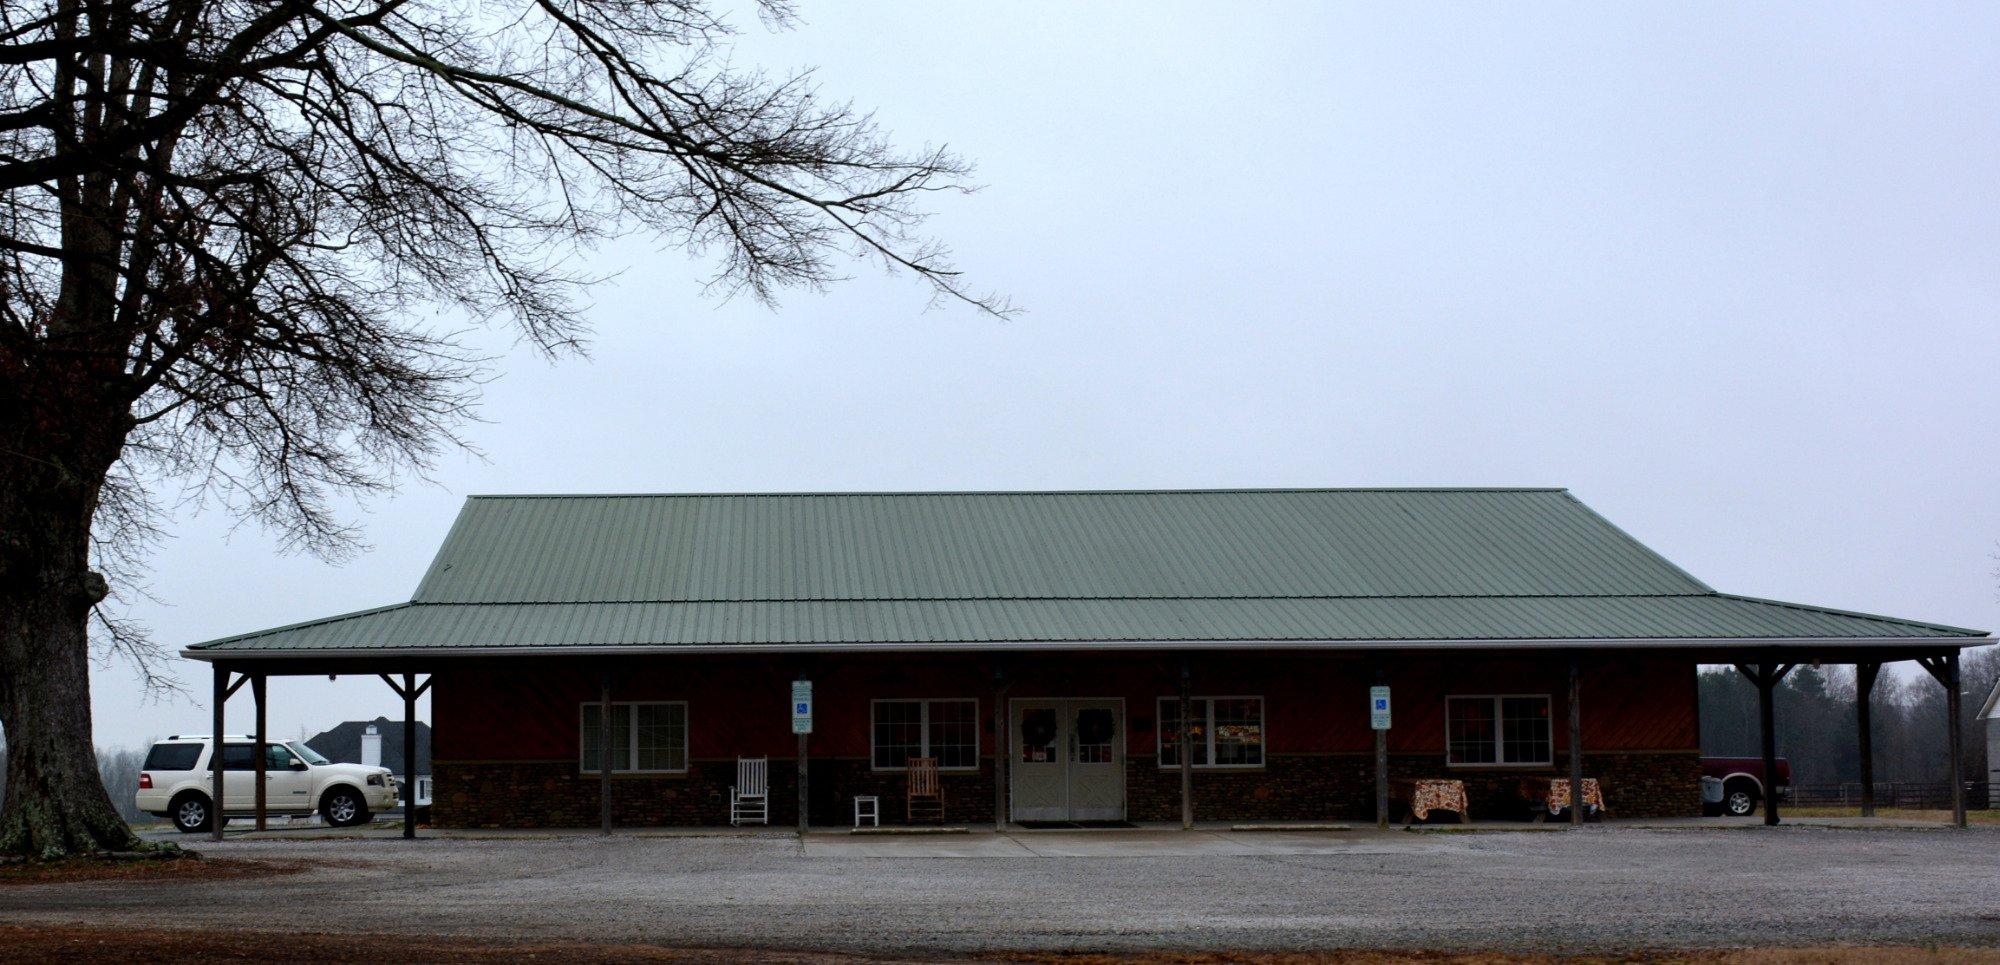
<point x="750" y="798"/>
<point x="924" y="794"/>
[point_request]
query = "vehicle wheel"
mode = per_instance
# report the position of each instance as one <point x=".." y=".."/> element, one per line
<point x="343" y="807"/>
<point x="191" y="813"/>
<point x="1739" y="799"/>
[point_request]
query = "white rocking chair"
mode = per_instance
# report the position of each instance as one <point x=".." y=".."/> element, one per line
<point x="750" y="797"/>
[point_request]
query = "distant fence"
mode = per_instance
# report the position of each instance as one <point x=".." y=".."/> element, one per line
<point x="1914" y="795"/>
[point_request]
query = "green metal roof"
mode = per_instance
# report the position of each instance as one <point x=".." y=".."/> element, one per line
<point x="934" y="570"/>
<point x="984" y="546"/>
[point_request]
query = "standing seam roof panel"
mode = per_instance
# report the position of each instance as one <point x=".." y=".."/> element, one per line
<point x="1317" y="543"/>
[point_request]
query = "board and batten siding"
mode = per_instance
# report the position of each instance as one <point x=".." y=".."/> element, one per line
<point x="512" y="726"/>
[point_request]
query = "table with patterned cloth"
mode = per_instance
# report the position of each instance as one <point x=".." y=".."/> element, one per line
<point x="1551" y="794"/>
<point x="1424" y="795"/>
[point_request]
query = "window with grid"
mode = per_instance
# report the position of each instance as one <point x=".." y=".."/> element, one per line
<point x="645" y="737"/>
<point x="1224" y="731"/>
<point x="1498" y="730"/>
<point x="945" y="729"/>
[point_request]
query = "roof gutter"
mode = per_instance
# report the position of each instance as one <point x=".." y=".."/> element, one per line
<point x="1629" y="643"/>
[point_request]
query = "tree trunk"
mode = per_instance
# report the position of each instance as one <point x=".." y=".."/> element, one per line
<point x="64" y="417"/>
<point x="56" y="804"/>
<point x="56" y="446"/>
<point x="55" y="797"/>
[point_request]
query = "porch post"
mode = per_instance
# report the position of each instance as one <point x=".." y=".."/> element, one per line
<point x="257" y="696"/>
<point x="410" y="755"/>
<point x="215" y="745"/>
<point x="1187" y="749"/>
<point x="1766" y="676"/>
<point x="1952" y="732"/>
<point x="1945" y="671"/>
<point x="1959" y="739"/>
<point x="604" y="753"/>
<point x="1575" y="740"/>
<point x="1000" y="752"/>
<point x="1768" y="741"/>
<point x="1864" y="696"/>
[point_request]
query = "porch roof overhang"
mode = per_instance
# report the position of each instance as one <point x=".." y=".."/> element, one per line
<point x="1721" y="626"/>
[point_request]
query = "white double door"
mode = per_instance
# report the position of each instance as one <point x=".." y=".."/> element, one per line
<point x="1068" y="760"/>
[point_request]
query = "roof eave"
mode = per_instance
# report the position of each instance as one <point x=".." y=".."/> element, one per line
<point x="1626" y="643"/>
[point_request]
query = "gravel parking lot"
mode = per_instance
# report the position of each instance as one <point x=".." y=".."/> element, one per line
<point x="1599" y="888"/>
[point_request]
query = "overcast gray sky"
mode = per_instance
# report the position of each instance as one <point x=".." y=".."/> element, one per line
<point x="1727" y="271"/>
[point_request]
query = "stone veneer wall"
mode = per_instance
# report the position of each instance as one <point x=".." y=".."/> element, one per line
<point x="529" y="794"/>
<point x="554" y="794"/>
<point x="1648" y="784"/>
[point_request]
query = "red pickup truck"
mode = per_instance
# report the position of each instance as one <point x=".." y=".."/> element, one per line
<point x="1743" y="784"/>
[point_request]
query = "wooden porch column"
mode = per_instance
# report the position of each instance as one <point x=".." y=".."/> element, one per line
<point x="1953" y="734"/>
<point x="1002" y="730"/>
<point x="1187" y="748"/>
<point x="1767" y="740"/>
<point x="257" y="697"/>
<point x="1864" y="695"/>
<point x="409" y="690"/>
<point x="1575" y="739"/>
<point x="604" y="753"/>
<point x="215" y="745"/>
<point x="409" y="787"/>
<point x="1766" y="676"/>
<point x="1945" y="670"/>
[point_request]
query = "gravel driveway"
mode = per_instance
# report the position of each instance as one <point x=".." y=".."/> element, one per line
<point x="1594" y="888"/>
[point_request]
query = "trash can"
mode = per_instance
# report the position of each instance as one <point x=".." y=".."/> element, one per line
<point x="1711" y="795"/>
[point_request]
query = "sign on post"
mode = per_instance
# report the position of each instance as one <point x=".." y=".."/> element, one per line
<point x="1378" y="708"/>
<point x="802" y="707"/>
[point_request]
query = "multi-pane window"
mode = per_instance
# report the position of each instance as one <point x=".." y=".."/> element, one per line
<point x="644" y="737"/>
<point x="1498" y="730"/>
<point x="945" y="729"/>
<point x="1224" y="731"/>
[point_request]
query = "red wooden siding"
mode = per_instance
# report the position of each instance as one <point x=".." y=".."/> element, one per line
<point x="527" y="709"/>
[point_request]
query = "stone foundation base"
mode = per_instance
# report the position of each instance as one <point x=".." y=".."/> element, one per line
<point x="555" y="794"/>
<point x="1342" y="787"/>
<point x="535" y="794"/>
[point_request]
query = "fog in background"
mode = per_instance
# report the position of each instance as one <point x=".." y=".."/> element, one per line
<point x="1726" y="271"/>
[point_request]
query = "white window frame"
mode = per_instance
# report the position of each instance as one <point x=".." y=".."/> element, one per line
<point x="632" y="736"/>
<point x="1208" y="731"/>
<point x="1499" y="732"/>
<point x="924" y="731"/>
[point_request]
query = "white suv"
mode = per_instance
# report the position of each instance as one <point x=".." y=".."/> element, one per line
<point x="298" y="781"/>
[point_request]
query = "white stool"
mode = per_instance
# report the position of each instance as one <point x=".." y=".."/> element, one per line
<point x="867" y="806"/>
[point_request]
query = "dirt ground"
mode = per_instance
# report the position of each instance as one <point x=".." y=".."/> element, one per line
<point x="184" y="871"/>
<point x="19" y="944"/>
<point x="1796" y="894"/>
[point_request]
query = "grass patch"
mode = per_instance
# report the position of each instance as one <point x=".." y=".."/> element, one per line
<point x="1988" y="818"/>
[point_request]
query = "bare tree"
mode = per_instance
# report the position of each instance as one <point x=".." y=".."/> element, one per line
<point x="223" y="224"/>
